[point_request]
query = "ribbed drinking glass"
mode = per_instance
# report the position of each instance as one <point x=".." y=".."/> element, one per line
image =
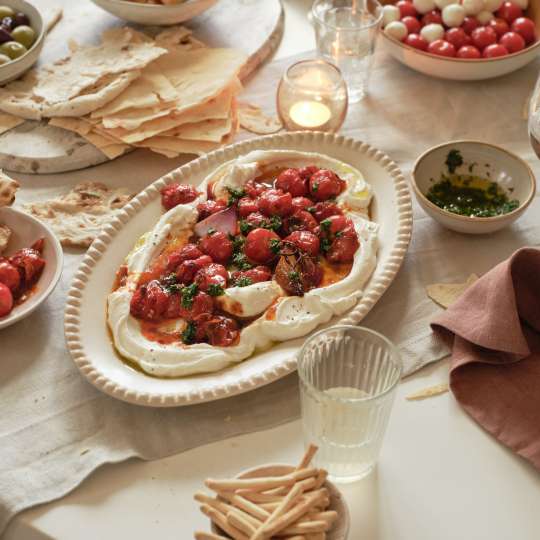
<point x="348" y="376"/>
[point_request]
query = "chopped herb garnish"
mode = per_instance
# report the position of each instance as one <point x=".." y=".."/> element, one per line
<point x="243" y="281"/>
<point x="234" y="195"/>
<point x="325" y="244"/>
<point x="275" y="246"/>
<point x="294" y="276"/>
<point x="211" y="231"/>
<point x="237" y="242"/>
<point x="215" y="290"/>
<point x="453" y="160"/>
<point x="241" y="262"/>
<point x="189" y="333"/>
<point x="325" y="224"/>
<point x="311" y="209"/>
<point x="188" y="293"/>
<point x="274" y="223"/>
<point x="245" y="226"/>
<point x="170" y="284"/>
<point x="315" y="187"/>
<point x="339" y="234"/>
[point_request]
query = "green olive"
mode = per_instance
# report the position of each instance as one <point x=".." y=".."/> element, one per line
<point x="6" y="11"/>
<point x="24" y="35"/>
<point x="4" y="59"/>
<point x="13" y="49"/>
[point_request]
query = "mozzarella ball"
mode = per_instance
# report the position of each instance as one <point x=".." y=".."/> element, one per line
<point x="390" y="14"/>
<point x="441" y="4"/>
<point x="492" y="5"/>
<point x="396" y="30"/>
<point x="453" y="15"/>
<point x="424" y="6"/>
<point x="472" y="7"/>
<point x="484" y="17"/>
<point x="523" y="4"/>
<point x="432" y="32"/>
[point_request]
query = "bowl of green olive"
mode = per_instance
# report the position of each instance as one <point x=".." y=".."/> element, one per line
<point x="21" y="38"/>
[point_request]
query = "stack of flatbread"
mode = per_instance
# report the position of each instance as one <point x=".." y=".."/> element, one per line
<point x="171" y="93"/>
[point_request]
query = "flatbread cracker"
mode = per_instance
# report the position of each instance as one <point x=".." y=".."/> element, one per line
<point x="8" y="121"/>
<point x="253" y="119"/>
<point x="5" y="235"/>
<point x="8" y="189"/>
<point x="445" y="294"/>
<point x="431" y="391"/>
<point x="78" y="216"/>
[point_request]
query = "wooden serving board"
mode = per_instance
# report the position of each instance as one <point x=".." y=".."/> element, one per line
<point x="254" y="26"/>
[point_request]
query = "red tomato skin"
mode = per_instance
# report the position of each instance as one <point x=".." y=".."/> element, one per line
<point x="412" y="23"/>
<point x="9" y="276"/>
<point x="254" y="189"/>
<point x="406" y="9"/>
<point x="470" y="24"/>
<point x="175" y="194"/>
<point x="202" y="303"/>
<point x="484" y="36"/>
<point x="149" y="302"/>
<point x="306" y="241"/>
<point x="210" y="207"/>
<point x="301" y="203"/>
<point x="247" y="206"/>
<point x="275" y="202"/>
<point x="291" y="181"/>
<point x="499" y="25"/>
<point x="440" y="47"/>
<point x="509" y="12"/>
<point x="525" y="28"/>
<point x="186" y="253"/>
<point x="221" y="331"/>
<point x="256" y="219"/>
<point x="416" y="41"/>
<point x="344" y="248"/>
<point x="186" y="272"/>
<point x="432" y="17"/>
<point x="469" y="51"/>
<point x="457" y="37"/>
<point x="218" y="246"/>
<point x="6" y="300"/>
<point x="326" y="209"/>
<point x="257" y="274"/>
<point x="257" y="247"/>
<point x="494" y="51"/>
<point x="513" y="41"/>
<point x="213" y="274"/>
<point x="29" y="264"/>
<point x="299" y="221"/>
<point x="325" y="184"/>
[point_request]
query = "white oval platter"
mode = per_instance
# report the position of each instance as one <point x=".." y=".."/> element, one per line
<point x="86" y="331"/>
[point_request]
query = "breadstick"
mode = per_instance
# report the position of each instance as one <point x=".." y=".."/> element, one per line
<point x="200" y="535"/>
<point x="251" y="484"/>
<point x="221" y="521"/>
<point x="321" y="478"/>
<point x="329" y="516"/>
<point x="220" y="506"/>
<point x="316" y="536"/>
<point x="308" y="456"/>
<point x="257" y="497"/>
<point x="305" y="527"/>
<point x="246" y="505"/>
<point x="237" y="520"/>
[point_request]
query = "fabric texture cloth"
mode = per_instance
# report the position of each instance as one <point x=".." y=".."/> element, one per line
<point x="55" y="428"/>
<point x="494" y="329"/>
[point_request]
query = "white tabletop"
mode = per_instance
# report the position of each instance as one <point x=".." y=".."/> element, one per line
<point x="439" y="476"/>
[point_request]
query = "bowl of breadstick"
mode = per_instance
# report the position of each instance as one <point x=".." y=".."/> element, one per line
<point x="275" y="501"/>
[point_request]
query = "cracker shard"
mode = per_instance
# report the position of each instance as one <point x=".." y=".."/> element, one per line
<point x="445" y="294"/>
<point x="431" y="391"/>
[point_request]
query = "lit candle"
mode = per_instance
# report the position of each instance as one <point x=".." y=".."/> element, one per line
<point x="309" y="114"/>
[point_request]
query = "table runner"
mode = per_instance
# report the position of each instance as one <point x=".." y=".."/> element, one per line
<point x="56" y="428"/>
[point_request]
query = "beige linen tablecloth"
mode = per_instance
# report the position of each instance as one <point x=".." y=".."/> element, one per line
<point x="55" y="428"/>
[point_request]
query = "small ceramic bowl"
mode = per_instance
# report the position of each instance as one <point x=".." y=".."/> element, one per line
<point x="340" y="529"/>
<point x="25" y="231"/>
<point x="155" y="14"/>
<point x="14" y="69"/>
<point x="491" y="162"/>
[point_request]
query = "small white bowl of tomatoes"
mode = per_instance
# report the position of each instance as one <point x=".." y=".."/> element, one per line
<point x="462" y="39"/>
<point x="30" y="267"/>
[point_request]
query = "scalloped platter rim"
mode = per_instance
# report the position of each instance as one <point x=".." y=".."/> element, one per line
<point x="86" y="333"/>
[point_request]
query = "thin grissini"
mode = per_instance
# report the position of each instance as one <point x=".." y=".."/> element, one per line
<point x="258" y="498"/>
<point x="200" y="535"/>
<point x="330" y="516"/>
<point x="246" y="505"/>
<point x="259" y="484"/>
<point x="221" y="521"/>
<point x="236" y="519"/>
<point x="305" y="527"/>
<point x="220" y="506"/>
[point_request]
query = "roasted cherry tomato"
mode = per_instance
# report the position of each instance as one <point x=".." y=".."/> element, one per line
<point x="306" y="241"/>
<point x="29" y="263"/>
<point x="221" y="331"/>
<point x="296" y="272"/>
<point x="457" y="37"/>
<point x="185" y="273"/>
<point x="175" y="194"/>
<point x="213" y="274"/>
<point x="468" y="51"/>
<point x="326" y="209"/>
<point x="218" y="246"/>
<point x="291" y="181"/>
<point x="255" y="275"/>
<point x="412" y="23"/>
<point x="262" y="245"/>
<point x="441" y="47"/>
<point x="186" y="253"/>
<point x="406" y="9"/>
<point x="6" y="300"/>
<point x="417" y="41"/>
<point x="469" y="24"/>
<point x="525" y="28"/>
<point x="484" y="36"/>
<point x="299" y="221"/>
<point x="9" y="275"/>
<point x="499" y="25"/>
<point x="495" y="50"/>
<point x="335" y="224"/>
<point x="256" y="219"/>
<point x="202" y="303"/>
<point x="509" y="12"/>
<point x="344" y="247"/>
<point x="301" y="203"/>
<point x="254" y="189"/>
<point x="275" y="202"/>
<point x="308" y="172"/>
<point x="247" y="206"/>
<point x="432" y="17"/>
<point x="210" y="207"/>
<point x="513" y="41"/>
<point x="325" y="184"/>
<point x="149" y="302"/>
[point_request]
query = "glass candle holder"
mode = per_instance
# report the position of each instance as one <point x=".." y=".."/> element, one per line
<point x="312" y="95"/>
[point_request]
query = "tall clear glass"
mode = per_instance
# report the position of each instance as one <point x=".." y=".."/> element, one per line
<point x="348" y="377"/>
<point x="534" y="119"/>
<point x="346" y="34"/>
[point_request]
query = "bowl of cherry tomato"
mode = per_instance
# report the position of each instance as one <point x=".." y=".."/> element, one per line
<point x="30" y="267"/>
<point x="462" y="39"/>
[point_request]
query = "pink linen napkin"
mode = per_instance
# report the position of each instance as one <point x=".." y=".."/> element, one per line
<point x="494" y="331"/>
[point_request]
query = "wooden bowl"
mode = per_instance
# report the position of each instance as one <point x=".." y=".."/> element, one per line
<point x="462" y="69"/>
<point x="340" y="530"/>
